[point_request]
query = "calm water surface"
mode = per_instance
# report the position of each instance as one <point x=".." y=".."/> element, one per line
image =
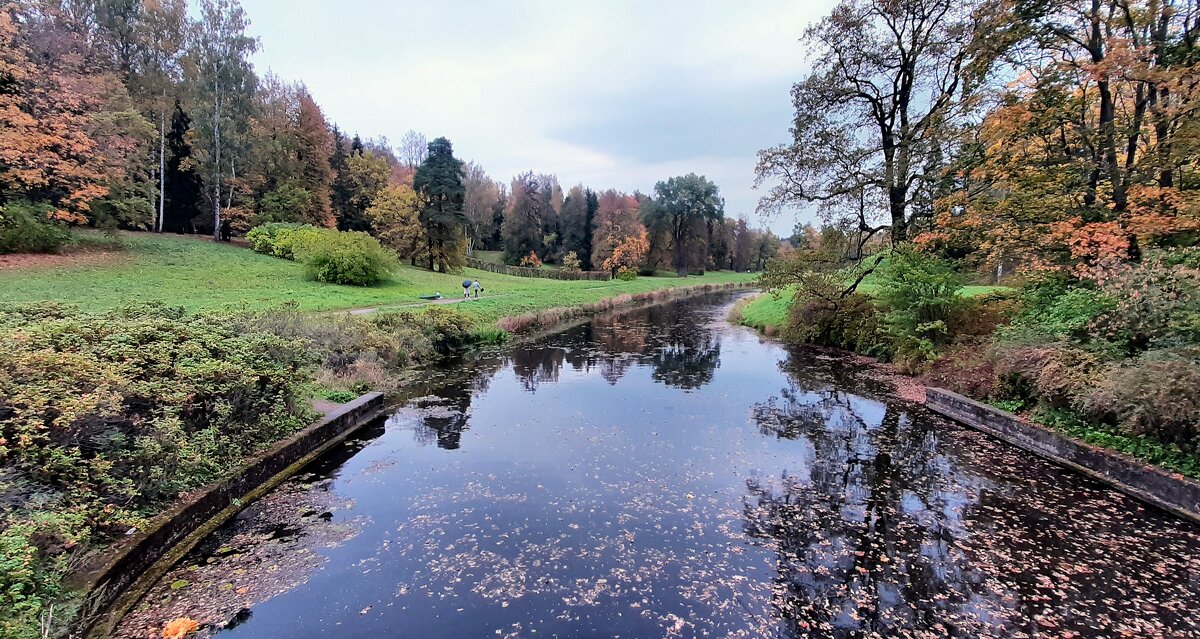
<point x="660" y="473"/>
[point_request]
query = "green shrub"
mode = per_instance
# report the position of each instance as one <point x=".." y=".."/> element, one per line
<point x="627" y="274"/>
<point x="1155" y="304"/>
<point x="280" y="239"/>
<point x="339" y="396"/>
<point x="24" y="228"/>
<point x="852" y="323"/>
<point x="104" y="418"/>
<point x="921" y="293"/>
<point x="353" y="258"/>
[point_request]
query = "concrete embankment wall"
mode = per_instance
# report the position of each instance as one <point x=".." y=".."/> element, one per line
<point x="1169" y="491"/>
<point x="113" y="583"/>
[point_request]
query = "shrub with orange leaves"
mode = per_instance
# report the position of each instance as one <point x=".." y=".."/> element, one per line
<point x="531" y="261"/>
<point x="629" y="253"/>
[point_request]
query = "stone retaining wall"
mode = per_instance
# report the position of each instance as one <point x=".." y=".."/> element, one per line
<point x="1169" y="491"/>
<point x="113" y="583"/>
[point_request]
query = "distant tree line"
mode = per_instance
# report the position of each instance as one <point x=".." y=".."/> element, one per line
<point x="137" y="114"/>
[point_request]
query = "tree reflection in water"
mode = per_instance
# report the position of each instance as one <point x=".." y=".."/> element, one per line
<point x="864" y="537"/>
<point x="899" y="524"/>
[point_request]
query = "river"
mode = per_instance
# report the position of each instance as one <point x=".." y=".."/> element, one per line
<point x="657" y="472"/>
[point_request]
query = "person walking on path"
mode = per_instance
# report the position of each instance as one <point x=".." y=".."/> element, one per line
<point x="477" y="287"/>
<point x="466" y="288"/>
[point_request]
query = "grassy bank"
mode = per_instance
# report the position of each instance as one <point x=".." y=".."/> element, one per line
<point x="768" y="313"/>
<point x="197" y="274"/>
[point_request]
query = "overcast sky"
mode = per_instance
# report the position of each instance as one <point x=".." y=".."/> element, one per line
<point x="611" y="94"/>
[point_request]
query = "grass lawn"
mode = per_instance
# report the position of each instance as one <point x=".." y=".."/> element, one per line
<point x="196" y="273"/>
<point x="767" y="310"/>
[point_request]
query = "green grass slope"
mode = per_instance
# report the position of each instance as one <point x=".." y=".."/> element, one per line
<point x="202" y="275"/>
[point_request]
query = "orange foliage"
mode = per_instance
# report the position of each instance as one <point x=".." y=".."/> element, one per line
<point x="531" y="260"/>
<point x="629" y="253"/>
<point x="61" y="122"/>
<point x="179" y="628"/>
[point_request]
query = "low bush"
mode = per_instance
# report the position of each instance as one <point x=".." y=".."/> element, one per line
<point x="362" y="353"/>
<point x="921" y="294"/>
<point x="852" y="323"/>
<point x="352" y="257"/>
<point x="1156" y="394"/>
<point x="106" y="417"/>
<point x="24" y="228"/>
<point x="626" y="274"/>
<point x="1054" y="375"/>
<point x="282" y="239"/>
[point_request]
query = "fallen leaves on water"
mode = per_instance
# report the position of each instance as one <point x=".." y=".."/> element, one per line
<point x="179" y="628"/>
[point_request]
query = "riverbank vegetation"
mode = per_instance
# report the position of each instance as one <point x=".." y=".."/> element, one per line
<point x="110" y="411"/>
<point x="1054" y="157"/>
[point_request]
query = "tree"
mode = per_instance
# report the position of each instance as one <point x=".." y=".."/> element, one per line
<point x="522" y="229"/>
<point x="394" y="214"/>
<point x="889" y="82"/>
<point x="184" y="187"/>
<point x="743" y="251"/>
<point x="575" y="224"/>
<point x="629" y="253"/>
<point x="616" y="221"/>
<point x="69" y="135"/>
<point x="438" y="182"/>
<point x="482" y="193"/>
<point x="366" y="174"/>
<point x="413" y="149"/>
<point x="314" y="150"/>
<point x="218" y="60"/>
<point x="683" y="206"/>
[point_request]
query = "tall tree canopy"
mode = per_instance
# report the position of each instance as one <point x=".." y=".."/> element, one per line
<point x="889" y="82"/>
<point x="438" y="181"/>
<point x="683" y="206"/>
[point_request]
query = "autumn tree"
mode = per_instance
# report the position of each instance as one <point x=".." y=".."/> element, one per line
<point x="522" y="229"/>
<point x="482" y="193"/>
<point x="616" y="220"/>
<point x="394" y="215"/>
<point x="889" y="82"/>
<point x="219" y="71"/>
<point x="69" y="135"/>
<point x="629" y="253"/>
<point x="413" y="149"/>
<point x="683" y="206"/>
<point x="438" y="183"/>
<point x="314" y="148"/>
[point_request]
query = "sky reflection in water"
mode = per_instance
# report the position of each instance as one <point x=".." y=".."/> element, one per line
<point x="660" y="473"/>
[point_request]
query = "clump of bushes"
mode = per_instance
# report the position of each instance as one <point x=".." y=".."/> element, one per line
<point x="106" y="417"/>
<point x="571" y="262"/>
<point x="853" y="323"/>
<point x="351" y="257"/>
<point x="279" y="239"/>
<point x="328" y="255"/>
<point x="626" y="274"/>
<point x="25" y="228"/>
<point x="363" y="353"/>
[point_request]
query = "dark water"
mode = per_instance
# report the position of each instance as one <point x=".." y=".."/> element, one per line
<point x="660" y="473"/>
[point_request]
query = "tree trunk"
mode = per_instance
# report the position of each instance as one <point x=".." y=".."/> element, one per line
<point x="216" y="168"/>
<point x="162" y="168"/>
